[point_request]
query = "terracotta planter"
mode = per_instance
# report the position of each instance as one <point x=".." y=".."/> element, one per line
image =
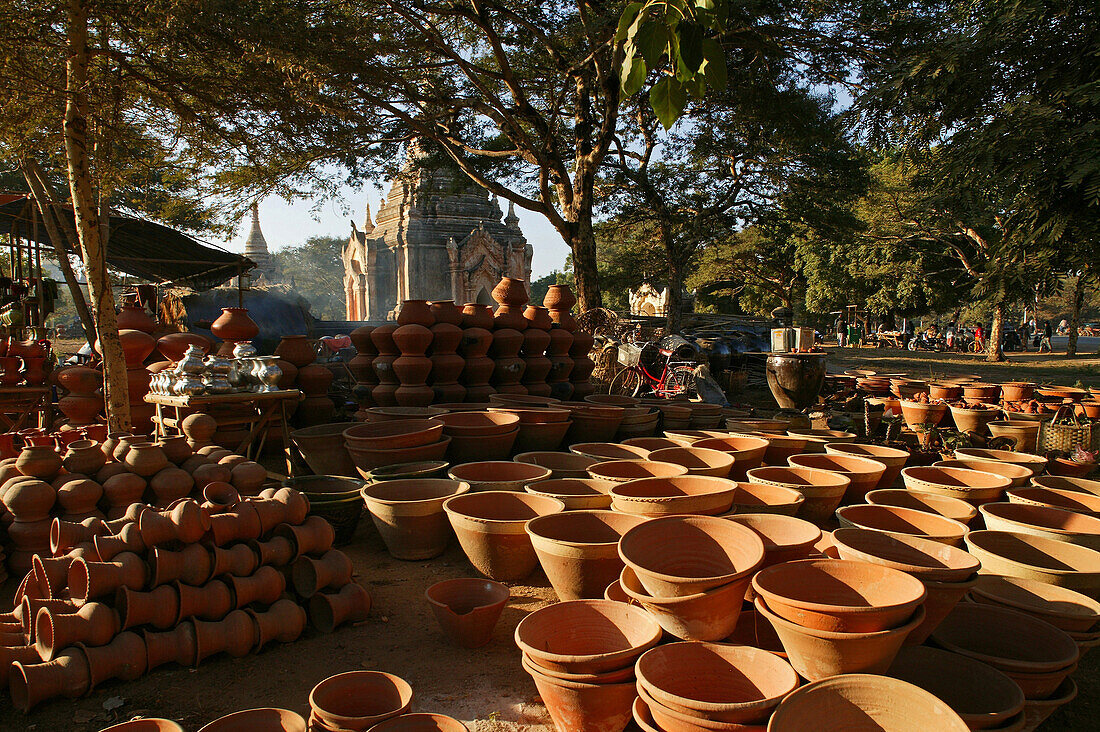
<point x="266" y="585"/>
<point x="1044" y="521"/>
<point x="367" y="460"/>
<point x="974" y="420"/>
<point x="241" y="523"/>
<point x="490" y="529"/>
<point x="39" y="462"/>
<point x="234" y="634"/>
<point x="917" y="414"/>
<point x="561" y="465"/>
<point x="94" y="623"/>
<point x="310" y="576"/>
<point x="1034" y="463"/>
<point x="578" y="550"/>
<point x="1024" y="433"/>
<point x="30" y="500"/>
<point x="705" y="616"/>
<point x="394" y="435"/>
<point x="602" y="636"/>
<point x="177" y="645"/>
<point x="973" y="486"/>
<point x="923" y="558"/>
<point x="498" y="475"/>
<point x="785" y="538"/>
<point x="212" y="601"/>
<point x="324" y="450"/>
<point x="328" y="611"/>
<point x="283" y="622"/>
<point x="952" y="508"/>
<point x="1081" y="485"/>
<point x="1065" y="609"/>
<point x="823" y="489"/>
<point x="123" y="658"/>
<point x="421" y="722"/>
<point x="84" y="457"/>
<point x="754" y="498"/>
<point x="278" y="552"/>
<point x="903" y="521"/>
<point x="238" y="560"/>
<point x="89" y="580"/>
<point x="864" y="473"/>
<point x="234" y="325"/>
<point x="409" y="515"/>
<point x="677" y="556"/>
<point x="467" y="609"/>
<point x="698" y="461"/>
<point x="580" y="707"/>
<point x="32" y="683"/>
<point x="610" y="451"/>
<point x="192" y="565"/>
<point x="260" y="720"/>
<point x="358" y="700"/>
<point x="685" y="494"/>
<point x="158" y="608"/>
<point x="314" y="536"/>
<point x="1033" y="557"/>
<point x="621" y="471"/>
<point x="575" y="493"/>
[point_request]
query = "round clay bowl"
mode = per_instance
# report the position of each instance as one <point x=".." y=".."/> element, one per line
<point x="523" y="400"/>
<point x="1047" y="522"/>
<point x="923" y="558"/>
<point x="360" y="699"/>
<point x="408" y="514"/>
<point x="1015" y="473"/>
<point x="325" y="487"/>
<point x="258" y="720"/>
<point x="490" y="528"/>
<point x="780" y="447"/>
<point x="716" y="682"/>
<point x="394" y="435"/>
<point x="498" y="475"/>
<point x="771" y="426"/>
<point x="973" y="486"/>
<point x="421" y="722"/>
<point x="478" y="424"/>
<point x="863" y="472"/>
<point x="818" y="654"/>
<point x="574" y="706"/>
<point x="685" y="494"/>
<point x="981" y="695"/>
<point x="579" y="550"/>
<point x="651" y="443"/>
<point x="575" y="493"/>
<point x="605" y="451"/>
<point x="1063" y="608"/>
<point x="1058" y="498"/>
<point x="387" y="414"/>
<point x="747" y="450"/>
<point x="676" y="556"/>
<point x="697" y="461"/>
<point x="586" y="636"/>
<point x="817" y="439"/>
<point x="1033" y="557"/>
<point x="1081" y="485"/>
<point x="785" y="538"/>
<point x="891" y="457"/>
<point x="670" y="720"/>
<point x="535" y="415"/>
<point x="952" y="508"/>
<point x="762" y="498"/>
<point x="148" y="724"/>
<point x="643" y="718"/>
<point x="1034" y="463"/>
<point x="621" y="471"/>
<point x="904" y="521"/>
<point x="367" y="461"/>
<point x="822" y="489"/>
<point x="705" y="616"/>
<point x="839" y="596"/>
<point x="467" y="608"/>
<point x="864" y="703"/>
<point x="405" y="471"/>
<point x="560" y="464"/>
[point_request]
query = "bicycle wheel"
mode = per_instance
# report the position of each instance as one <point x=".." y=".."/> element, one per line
<point x="975" y="347"/>
<point x="627" y="382"/>
<point x="681" y="381"/>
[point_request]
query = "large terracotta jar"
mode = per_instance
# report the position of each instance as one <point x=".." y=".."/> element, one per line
<point x="174" y="345"/>
<point x="34" y="371"/>
<point x="447" y="365"/>
<point x="507" y="365"/>
<point x="365" y="351"/>
<point x="559" y="297"/>
<point x="561" y="364"/>
<point x="382" y="338"/>
<point x="445" y="311"/>
<point x="298" y="349"/>
<point x="84" y="400"/>
<point x="415" y="312"/>
<point x="512" y="292"/>
<point x="314" y="380"/>
<point x="476" y="315"/>
<point x="412" y="367"/>
<point x="135" y="317"/>
<point x="39" y="462"/>
<point x="136" y="346"/>
<point x="234" y="324"/>
<point x="478" y="367"/>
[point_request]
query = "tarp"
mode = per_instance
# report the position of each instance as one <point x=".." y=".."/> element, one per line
<point x="144" y="249"/>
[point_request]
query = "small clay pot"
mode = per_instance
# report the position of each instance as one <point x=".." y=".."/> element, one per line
<point x="240" y="523"/>
<point x="170" y="484"/>
<point x="89" y="580"/>
<point x="603" y="636"/>
<point x="177" y="645"/>
<point x="328" y="611"/>
<point x="64" y="535"/>
<point x="30" y="500"/>
<point x="310" y="576"/>
<point x="248" y="477"/>
<point x="192" y="565"/>
<point x="94" y="623"/>
<point x="277" y="552"/>
<point x="467" y="609"/>
<point x="158" y="608"/>
<point x="360" y="699"/>
<point x="39" y="462"/>
<point x="85" y="457"/>
<point x="235" y="634"/>
<point x="284" y="621"/>
<point x="258" y="720"/>
<point x="52" y="574"/>
<point x="127" y="540"/>
<point x="212" y="601"/>
<point x="238" y="560"/>
<point x="705" y="616"/>
<point x="314" y="536"/>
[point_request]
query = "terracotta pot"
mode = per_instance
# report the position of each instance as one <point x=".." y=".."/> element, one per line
<point x="785" y="538"/>
<point x="578" y="707"/>
<point x="490" y="529"/>
<point x="578" y="550"/>
<point x="421" y="723"/>
<point x="367" y="460"/>
<point x="64" y="535"/>
<point x="89" y="580"/>
<point x="839" y="596"/>
<point x="1044" y="521"/>
<point x="30" y="500"/>
<point x="248" y="477"/>
<point x="818" y="654"/>
<point x="175" y="448"/>
<point x="498" y="475"/>
<point x="175" y="646"/>
<point x="864" y="473"/>
<point x="685" y="494"/>
<point x="764" y="498"/>
<point x="705" y="616"/>
<point x="79" y="379"/>
<point x="676" y="556"/>
<point x="715" y="682"/>
<point x="1081" y="485"/>
<point x="903" y="521"/>
<point x="235" y="635"/>
<point x="199" y="428"/>
<point x="258" y="720"/>
<point x="923" y="558"/>
<point x="323" y="449"/>
<point x="84" y="456"/>
<point x="158" y="608"/>
<point x="575" y="493"/>
<point x="952" y="508"/>
<point x="1024" y="433"/>
<point x="328" y="611"/>
<point x="917" y="414"/>
<point x="395" y="435"/>
<point x="128" y="538"/>
<point x="52" y="575"/>
<point x="25" y="655"/>
<point x="622" y="471"/>
<point x="310" y="576"/>
<point x="192" y="565"/>
<point x="212" y="601"/>
<point x="941" y="600"/>
<point x="240" y="523"/>
<point x="559" y="297"/>
<point x="698" y="461"/>
<point x="32" y="683"/>
<point x="561" y="465"/>
<point x="1065" y="609"/>
<point x="297" y="349"/>
<point x="174" y="345"/>
<point x="610" y="451"/>
<point x="94" y="623"/>
<point x="278" y="552"/>
<point x="238" y="560"/>
<point x="34" y="371"/>
<point x="170" y="484"/>
<point x="602" y="636"/>
<point x="123" y="658"/>
<point x="358" y="700"/>
<point x="467" y="609"/>
<point x="39" y="462"/>
<point x="284" y="622"/>
<point x="409" y="515"/>
<point x="1034" y="463"/>
<point x="234" y="324"/>
<point x="863" y="703"/>
<point x="973" y="486"/>
<point x="265" y="585"/>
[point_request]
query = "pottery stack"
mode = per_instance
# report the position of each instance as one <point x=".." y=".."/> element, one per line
<point x="136" y="347"/>
<point x="382" y="338"/>
<point x="313" y="379"/>
<point x="477" y="338"/>
<point x="377" y="444"/>
<point x="362" y="369"/>
<point x="536" y="339"/>
<point x="508" y="339"/>
<point x="413" y="337"/>
<point x="83" y="399"/>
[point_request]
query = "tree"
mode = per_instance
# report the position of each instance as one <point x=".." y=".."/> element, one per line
<point x="314" y="271"/>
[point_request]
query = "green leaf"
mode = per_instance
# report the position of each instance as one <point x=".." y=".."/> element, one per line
<point x="652" y="41"/>
<point x="715" y="67"/>
<point x="667" y="98"/>
<point x="705" y="4"/>
<point x="697" y="87"/>
<point x="633" y="77"/>
<point x="628" y="22"/>
<point x="691" y="45"/>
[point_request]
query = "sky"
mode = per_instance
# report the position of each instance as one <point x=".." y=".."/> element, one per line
<point x="290" y="224"/>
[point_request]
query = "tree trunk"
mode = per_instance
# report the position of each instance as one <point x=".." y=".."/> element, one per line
<point x="582" y="242"/>
<point x="675" y="313"/>
<point x="1075" y="313"/>
<point x="87" y="219"/>
<point x="993" y="352"/>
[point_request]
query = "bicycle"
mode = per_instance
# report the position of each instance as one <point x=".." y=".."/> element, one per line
<point x="677" y="377"/>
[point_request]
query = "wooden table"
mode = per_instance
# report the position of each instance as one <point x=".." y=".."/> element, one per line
<point x="17" y="403"/>
<point x="271" y="406"/>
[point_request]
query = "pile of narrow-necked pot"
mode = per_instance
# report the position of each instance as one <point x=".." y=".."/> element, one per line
<point x="119" y="598"/>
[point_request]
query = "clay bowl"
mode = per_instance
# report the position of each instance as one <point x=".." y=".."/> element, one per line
<point x="575" y="493"/>
<point x="651" y="443"/>
<point x="818" y="654"/>
<point x="586" y="636"/>
<point x="973" y="486"/>
<point x="498" y="475"/>
<point x="367" y="461"/>
<point x="904" y="521"/>
<point x="670" y="720"/>
<point x="322" y="447"/>
<point x="891" y="457"/>
<point x="387" y="414"/>
<point x="535" y="415"/>
<point x="864" y="703"/>
<point x="780" y="447"/>
<point x="785" y="538"/>
<point x="1058" y="498"/>
<point x="1035" y="463"/>
<point x="604" y="451"/>
<point x="817" y="439"/>
<point x="393" y="435"/>
<point x="981" y="695"/>
<point x="421" y="722"/>
<point x="864" y="473"/>
<point x="676" y="556"/>
<point x="615" y="592"/>
<point x="258" y="720"/>
<point x="621" y="471"/>
<point x="685" y="494"/>
<point x="321" y="488"/>
<point x="358" y="700"/>
<point x="478" y="424"/>
<point x="748" y="451"/>
<point x="1066" y="609"/>
<point x="923" y="558"/>
<point x="560" y="464"/>
<point x="698" y="461"/>
<point x="409" y="471"/>
<point x="762" y="498"/>
<point x="1081" y="485"/>
<point x="490" y="529"/>
<point x="1032" y="652"/>
<point x="467" y="608"/>
<point x="578" y="550"/>
<point x="1015" y="473"/>
<point x="952" y="508"/>
<point x="1036" y="711"/>
<point x="576" y="706"/>
<point x="616" y="400"/>
<point x="839" y="596"/>
<point x="408" y="514"/>
<point x="523" y="400"/>
<point x="771" y="426"/>
<point x="716" y="682"/>
<point x="705" y="616"/>
<point x="1070" y="468"/>
<point x="1047" y="522"/>
<point x="687" y="438"/>
<point x="1033" y="557"/>
<point x="823" y="489"/>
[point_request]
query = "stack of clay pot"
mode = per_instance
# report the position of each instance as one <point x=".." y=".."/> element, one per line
<point x="508" y="339"/>
<point x="378" y="444"/>
<point x="83" y="399"/>
<point x="121" y="598"/>
<point x="311" y="378"/>
<point x="581" y="655"/>
<point x="571" y="361"/>
<point x="536" y="339"/>
<point x="412" y="338"/>
<point x="362" y="369"/>
<point x="638" y="420"/>
<point x="447" y="364"/>
<point x="359" y="700"/>
<point x="477" y="338"/>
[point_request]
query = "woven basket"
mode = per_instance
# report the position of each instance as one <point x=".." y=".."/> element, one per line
<point x="1065" y="437"/>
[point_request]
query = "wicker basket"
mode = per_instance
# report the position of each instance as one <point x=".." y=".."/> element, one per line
<point x="1065" y="437"/>
<point x="629" y="354"/>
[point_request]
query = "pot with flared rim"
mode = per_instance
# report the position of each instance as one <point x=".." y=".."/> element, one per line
<point x="925" y="559"/>
<point x="578" y="550"/>
<point x="468" y="608"/>
<point x="1063" y="608"/>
